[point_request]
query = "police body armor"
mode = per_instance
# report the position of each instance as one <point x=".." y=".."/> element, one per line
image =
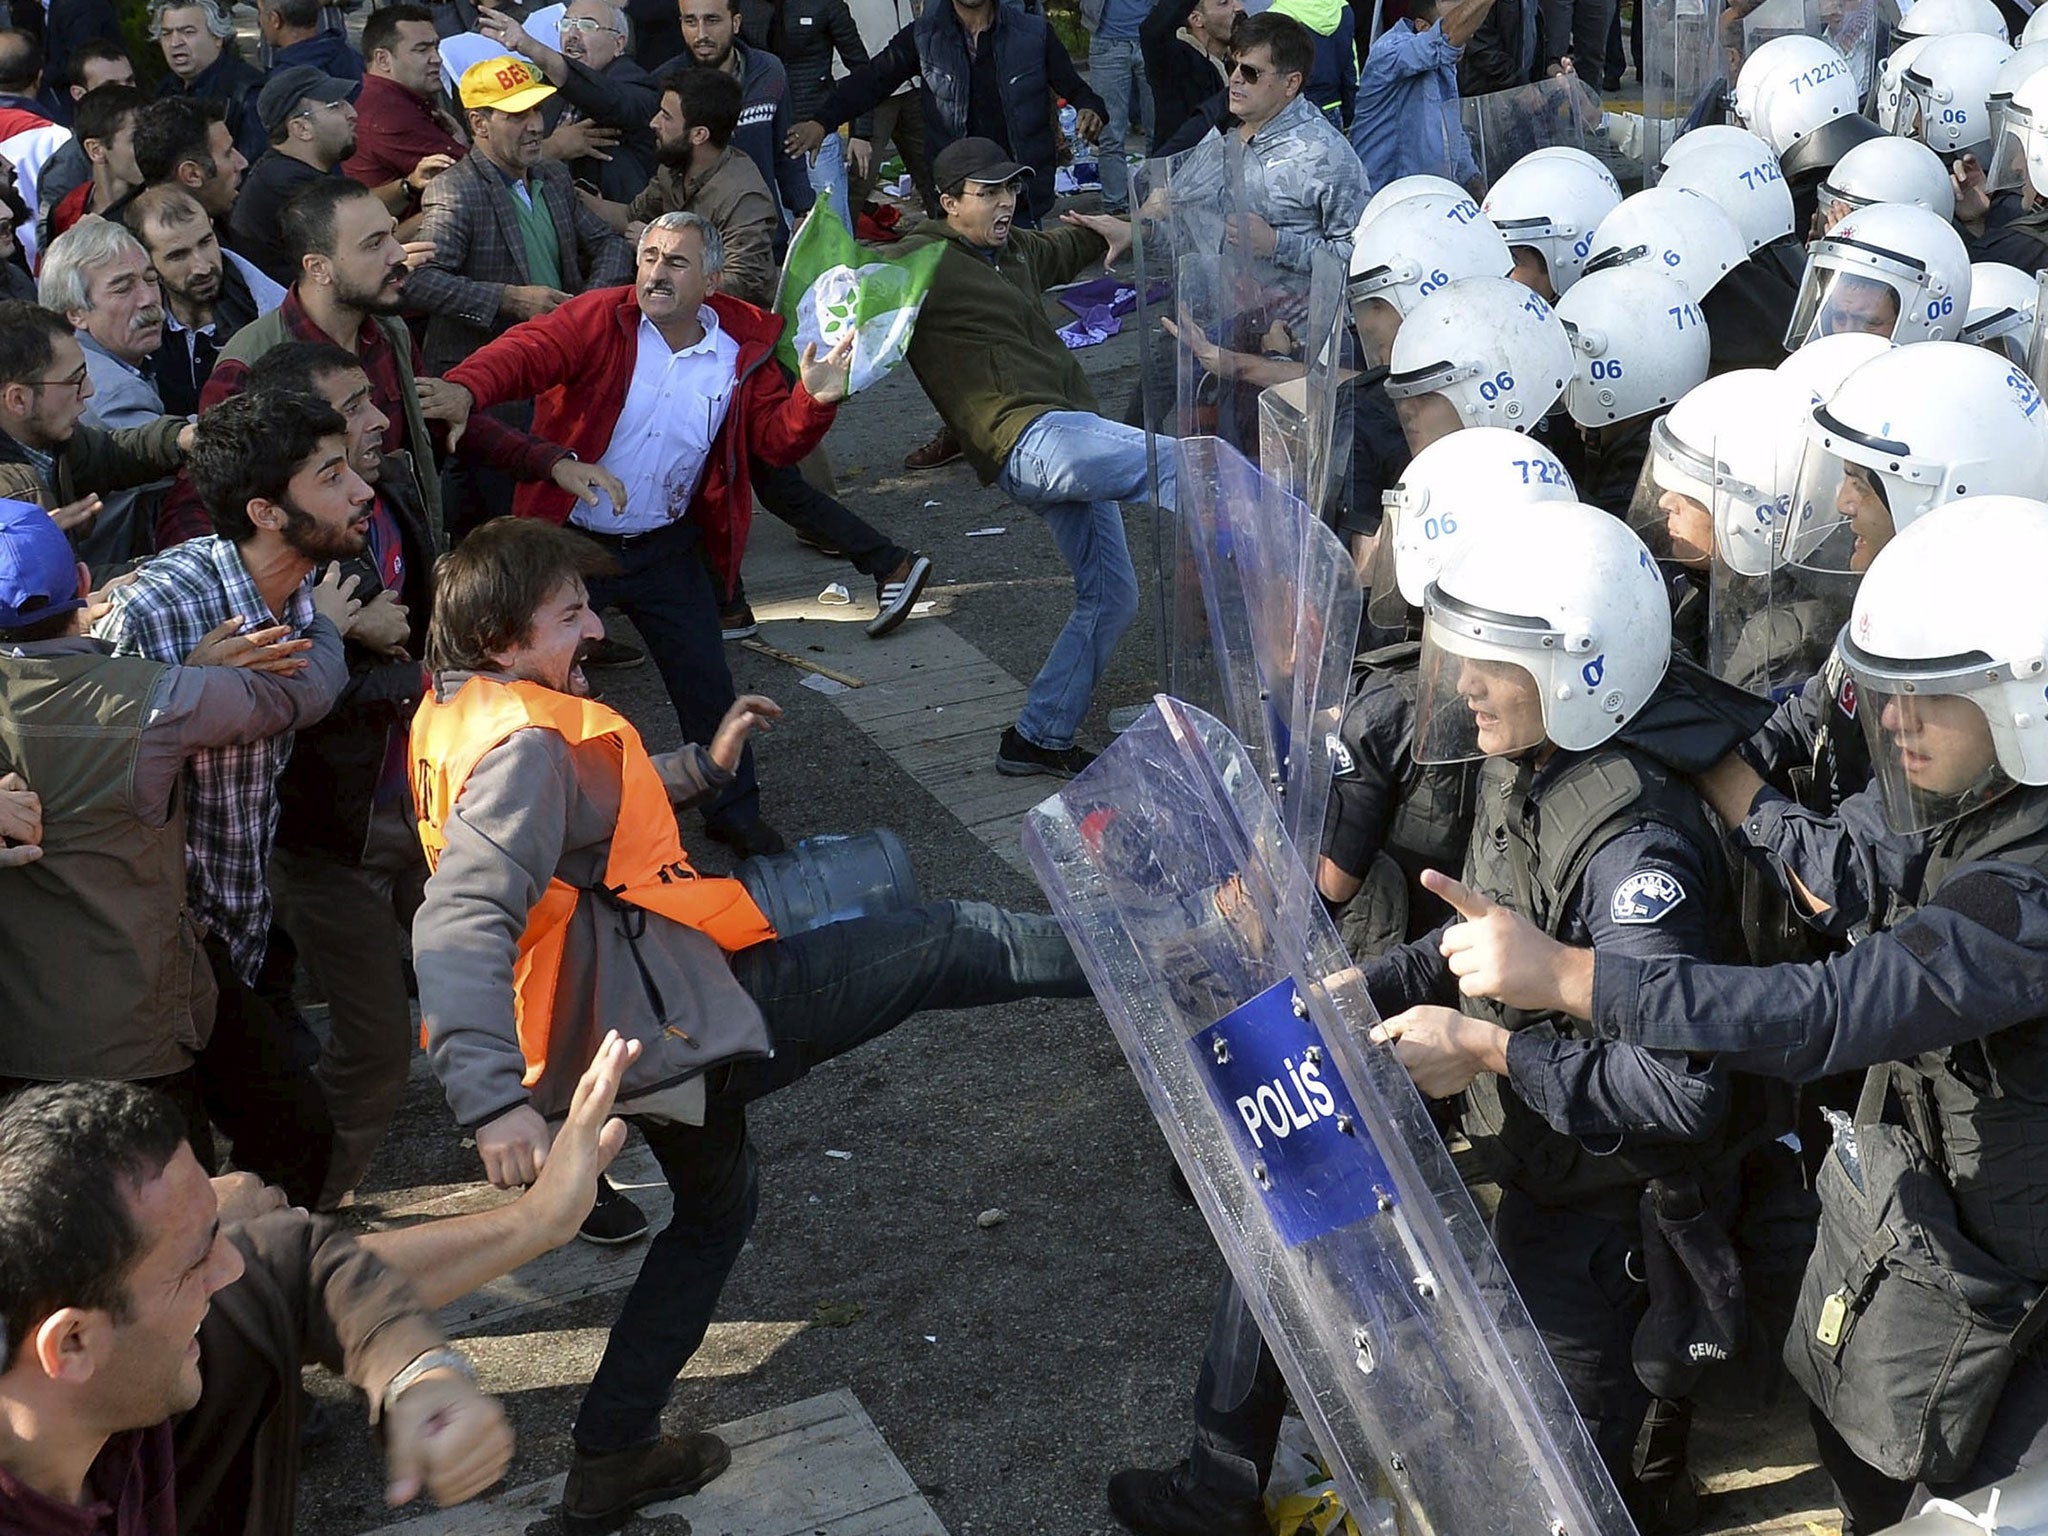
<point x="1980" y="1109"/>
<point x="1428" y="828"/>
<point x="1529" y="854"/>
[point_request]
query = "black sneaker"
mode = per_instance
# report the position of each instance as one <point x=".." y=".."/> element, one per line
<point x="754" y="840"/>
<point x="1172" y="1504"/>
<point x="1019" y="758"/>
<point x="737" y="622"/>
<point x="614" y="1220"/>
<point x="894" y="598"/>
<point x="613" y="653"/>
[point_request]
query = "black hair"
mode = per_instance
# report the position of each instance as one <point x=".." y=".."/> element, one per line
<point x="173" y="130"/>
<point x="307" y="222"/>
<point x="21" y="61"/>
<point x="710" y="99"/>
<point x="293" y="367"/>
<point x="28" y="337"/>
<point x="381" y="30"/>
<point x="1292" y="46"/>
<point x="70" y="1154"/>
<point x="248" y="447"/>
<point x="100" y="110"/>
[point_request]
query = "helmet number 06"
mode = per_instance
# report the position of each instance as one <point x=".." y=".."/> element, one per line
<point x="1492" y="389"/>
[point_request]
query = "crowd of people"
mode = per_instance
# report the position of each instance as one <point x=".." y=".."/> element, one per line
<point x="1690" y="750"/>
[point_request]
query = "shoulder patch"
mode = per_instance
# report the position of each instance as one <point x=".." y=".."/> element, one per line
<point x="1644" y="897"/>
<point x="1342" y="764"/>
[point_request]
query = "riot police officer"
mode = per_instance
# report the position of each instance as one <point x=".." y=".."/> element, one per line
<point x="1748" y="310"/>
<point x="1891" y="269"/>
<point x="1942" y="1001"/>
<point x="1546" y="206"/>
<point x="1484" y="351"/>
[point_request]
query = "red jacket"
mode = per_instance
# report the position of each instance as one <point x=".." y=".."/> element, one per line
<point x="576" y="364"/>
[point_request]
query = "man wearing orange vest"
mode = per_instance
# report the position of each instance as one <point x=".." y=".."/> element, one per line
<point x="562" y="905"/>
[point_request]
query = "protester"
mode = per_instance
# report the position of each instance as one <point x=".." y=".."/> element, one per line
<point x="504" y="725"/>
<point x="50" y="456"/>
<point x="702" y="171"/>
<point x="711" y="38"/>
<point x="312" y="129"/>
<point x="898" y="122"/>
<point x="806" y="36"/>
<point x="187" y="142"/>
<point x="297" y="36"/>
<point x="599" y="124"/>
<point x="197" y="37"/>
<point x="109" y="740"/>
<point x="104" y="125"/>
<point x="1331" y="85"/>
<point x="206" y="297"/>
<point x="1116" y="68"/>
<point x="1407" y="122"/>
<point x="1187" y="62"/>
<point x="403" y="139"/>
<point x="97" y="62"/>
<point x="83" y="47"/>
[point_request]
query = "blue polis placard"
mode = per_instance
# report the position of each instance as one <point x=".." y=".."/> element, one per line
<point x="1290" y="1118"/>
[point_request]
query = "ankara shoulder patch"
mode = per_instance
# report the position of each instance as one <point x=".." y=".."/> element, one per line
<point x="1644" y="897"/>
<point x="1289" y="1118"/>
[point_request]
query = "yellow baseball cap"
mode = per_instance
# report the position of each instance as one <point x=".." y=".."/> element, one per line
<point x="509" y="84"/>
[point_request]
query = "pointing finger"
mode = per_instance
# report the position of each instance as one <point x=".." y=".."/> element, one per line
<point x="1463" y="900"/>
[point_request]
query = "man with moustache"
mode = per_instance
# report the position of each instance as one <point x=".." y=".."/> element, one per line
<point x="312" y="130"/>
<point x="187" y="142"/>
<point x="351" y="274"/>
<point x="206" y="298"/>
<point x="98" y="277"/>
<point x="275" y="477"/>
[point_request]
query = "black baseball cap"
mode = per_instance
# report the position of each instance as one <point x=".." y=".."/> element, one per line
<point x="285" y="92"/>
<point x="981" y="160"/>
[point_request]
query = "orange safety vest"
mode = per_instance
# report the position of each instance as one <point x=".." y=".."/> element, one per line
<point x="647" y="867"/>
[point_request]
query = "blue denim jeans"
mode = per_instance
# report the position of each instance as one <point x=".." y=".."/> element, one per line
<point x="828" y="174"/>
<point x="822" y="993"/>
<point x="1117" y="71"/>
<point x="1072" y="468"/>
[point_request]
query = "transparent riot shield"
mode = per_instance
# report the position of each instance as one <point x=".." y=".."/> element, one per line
<point x="1305" y="425"/>
<point x="1769" y="633"/>
<point x="1686" y="69"/>
<point x="1852" y="26"/>
<point x="1503" y="126"/>
<point x="1355" y="1243"/>
<point x="1282" y="599"/>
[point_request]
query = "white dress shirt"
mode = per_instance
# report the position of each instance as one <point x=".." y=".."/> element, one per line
<point x="674" y="407"/>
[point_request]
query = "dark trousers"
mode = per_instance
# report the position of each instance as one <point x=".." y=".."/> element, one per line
<point x="1239" y="1398"/>
<point x="822" y="993"/>
<point x="786" y="494"/>
<point x="666" y="589"/>
<point x="2017" y="1439"/>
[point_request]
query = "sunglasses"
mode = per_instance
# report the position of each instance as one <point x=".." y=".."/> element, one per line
<point x="1250" y="74"/>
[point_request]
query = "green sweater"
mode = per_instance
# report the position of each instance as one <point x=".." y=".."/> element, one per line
<point x="984" y="350"/>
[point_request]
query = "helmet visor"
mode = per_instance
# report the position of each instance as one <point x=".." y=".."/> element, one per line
<point x="1377" y="323"/>
<point x="1769" y="633"/>
<point x="1842" y="294"/>
<point x="2006" y="170"/>
<point x="1672" y="509"/>
<point x="2006" y="331"/>
<point x="1841" y="513"/>
<point x="1930" y="738"/>
<point x="1475" y="694"/>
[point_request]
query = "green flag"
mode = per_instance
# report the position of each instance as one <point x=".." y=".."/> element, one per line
<point x="831" y="285"/>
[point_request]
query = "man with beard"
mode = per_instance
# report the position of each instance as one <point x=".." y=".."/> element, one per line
<point x="97" y="276"/>
<point x="206" y="298"/>
<point x="187" y="142"/>
<point x="598" y="124"/>
<point x="351" y="272"/>
<point x="275" y="477"/>
<point x="711" y="34"/>
<point x="312" y="130"/>
<point x="52" y="458"/>
<point x="348" y="872"/>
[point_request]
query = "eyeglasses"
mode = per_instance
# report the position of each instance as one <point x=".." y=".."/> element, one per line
<point x="75" y="382"/>
<point x="1248" y="73"/>
<point x="586" y="24"/>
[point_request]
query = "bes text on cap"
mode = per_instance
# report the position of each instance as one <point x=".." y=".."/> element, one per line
<point x="506" y="83"/>
<point x="38" y="570"/>
<point x="981" y="160"/>
<point x="287" y="91"/>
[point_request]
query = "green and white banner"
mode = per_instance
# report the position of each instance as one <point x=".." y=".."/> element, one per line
<point x="832" y="285"/>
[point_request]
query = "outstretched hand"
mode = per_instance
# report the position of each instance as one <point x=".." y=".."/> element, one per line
<point x="827" y="379"/>
<point x="751" y="714"/>
<point x="566" y="1186"/>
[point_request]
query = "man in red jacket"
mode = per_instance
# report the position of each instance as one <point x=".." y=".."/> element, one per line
<point x="672" y="387"/>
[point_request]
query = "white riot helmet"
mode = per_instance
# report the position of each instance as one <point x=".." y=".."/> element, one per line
<point x="1553" y="203"/>
<point x="1940" y="18"/>
<point x="1887" y="170"/>
<point x="1952" y="619"/>
<point x="1945" y="102"/>
<point x="1455" y="491"/>
<point x="1577" y="156"/>
<point x="2036" y="30"/>
<point x="1411" y="250"/>
<point x="1818" y="368"/>
<point x="1491" y="350"/>
<point x="2012" y="74"/>
<point x="1554" y="627"/>
<point x="1809" y="60"/>
<point x="1638" y="340"/>
<point x="1891" y="81"/>
<point x="1906" y="432"/>
<point x="1743" y="178"/>
<point x="1706" y="136"/>
<point x="2021" y="154"/>
<point x="1889" y="269"/>
<point x="2004" y="305"/>
<point x="1401" y="189"/>
<point x="1675" y="231"/>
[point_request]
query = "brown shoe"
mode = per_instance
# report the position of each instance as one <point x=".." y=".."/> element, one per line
<point x="941" y="450"/>
<point x="603" y="1490"/>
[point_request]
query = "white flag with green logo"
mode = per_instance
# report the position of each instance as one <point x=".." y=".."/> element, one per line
<point x="831" y="285"/>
